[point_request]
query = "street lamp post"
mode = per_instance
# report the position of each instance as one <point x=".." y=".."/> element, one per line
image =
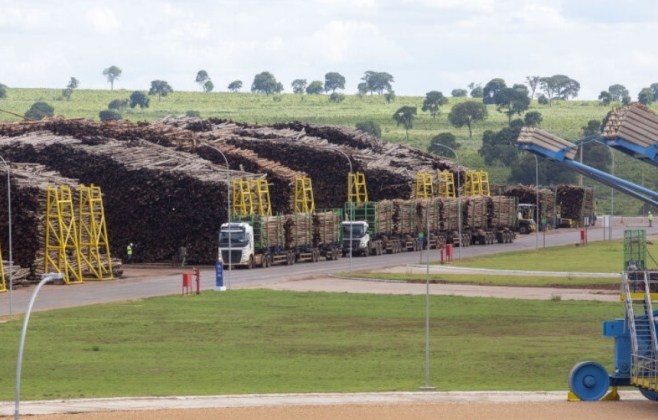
<point x="612" y="197"/>
<point x="11" y="257"/>
<point x="349" y="161"/>
<point x="21" y="345"/>
<point x="537" y="201"/>
<point x="228" y="209"/>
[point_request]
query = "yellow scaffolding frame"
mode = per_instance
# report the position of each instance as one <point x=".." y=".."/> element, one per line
<point x="3" y="284"/>
<point x="92" y="235"/>
<point x="424" y="185"/>
<point x="62" y="249"/>
<point x="261" y="199"/>
<point x="472" y="184"/>
<point x="445" y="181"/>
<point x="242" y="204"/>
<point x="356" y="188"/>
<point x="484" y="183"/>
<point x="304" y="202"/>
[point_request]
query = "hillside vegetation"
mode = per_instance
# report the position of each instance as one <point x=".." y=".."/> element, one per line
<point x="564" y="118"/>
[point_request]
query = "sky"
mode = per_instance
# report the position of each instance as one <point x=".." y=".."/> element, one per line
<point x="425" y="44"/>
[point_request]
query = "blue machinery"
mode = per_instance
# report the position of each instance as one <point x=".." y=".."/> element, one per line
<point x="632" y="130"/>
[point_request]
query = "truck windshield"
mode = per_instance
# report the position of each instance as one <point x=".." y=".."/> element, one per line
<point x="356" y="230"/>
<point x="238" y="238"/>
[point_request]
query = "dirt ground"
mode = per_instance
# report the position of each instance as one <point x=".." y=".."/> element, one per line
<point x="637" y="410"/>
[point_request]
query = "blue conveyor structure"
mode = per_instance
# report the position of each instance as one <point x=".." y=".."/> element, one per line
<point x="633" y="130"/>
<point x="563" y="152"/>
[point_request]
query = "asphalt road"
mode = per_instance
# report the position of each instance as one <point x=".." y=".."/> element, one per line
<point x="157" y="280"/>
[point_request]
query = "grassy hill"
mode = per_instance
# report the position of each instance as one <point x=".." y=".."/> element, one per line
<point x="563" y="118"/>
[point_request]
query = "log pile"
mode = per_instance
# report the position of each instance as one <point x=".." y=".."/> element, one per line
<point x="326" y="227"/>
<point x="155" y="197"/>
<point x="634" y="123"/>
<point x="502" y="212"/>
<point x="475" y="211"/>
<point x="298" y="229"/>
<point x="268" y="231"/>
<point x="449" y="215"/>
<point x="428" y="207"/>
<point x="575" y="203"/>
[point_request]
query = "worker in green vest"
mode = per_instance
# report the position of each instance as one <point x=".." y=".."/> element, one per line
<point x="129" y="253"/>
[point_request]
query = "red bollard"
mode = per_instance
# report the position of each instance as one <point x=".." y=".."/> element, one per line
<point x="187" y="283"/>
<point x="448" y="252"/>
<point x="583" y="237"/>
<point x="198" y="280"/>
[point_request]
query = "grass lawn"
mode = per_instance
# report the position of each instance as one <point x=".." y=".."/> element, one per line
<point x="596" y="257"/>
<point x="263" y="341"/>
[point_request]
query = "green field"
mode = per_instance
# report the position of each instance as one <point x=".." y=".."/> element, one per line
<point x="270" y="342"/>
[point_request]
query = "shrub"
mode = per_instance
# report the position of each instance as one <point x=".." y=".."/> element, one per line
<point x="369" y="127"/>
<point x="109" y="115"/>
<point x="196" y="114"/>
<point x="39" y="110"/>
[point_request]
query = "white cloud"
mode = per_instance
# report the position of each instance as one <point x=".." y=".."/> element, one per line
<point x="103" y="19"/>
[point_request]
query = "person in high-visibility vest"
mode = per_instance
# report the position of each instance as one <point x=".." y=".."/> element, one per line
<point x="129" y="253"/>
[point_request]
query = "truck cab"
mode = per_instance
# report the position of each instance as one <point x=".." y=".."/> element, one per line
<point x="236" y="245"/>
<point x="357" y="232"/>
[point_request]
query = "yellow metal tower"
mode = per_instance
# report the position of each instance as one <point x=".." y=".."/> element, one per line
<point x="92" y="231"/>
<point x="242" y="204"/>
<point x="261" y="196"/>
<point x="357" y="191"/>
<point x="484" y="183"/>
<point x="424" y="185"/>
<point x="62" y="250"/>
<point x="304" y="202"/>
<point x="472" y="184"/>
<point x="445" y="184"/>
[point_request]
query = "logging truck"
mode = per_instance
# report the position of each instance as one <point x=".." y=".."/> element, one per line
<point x="392" y="226"/>
<point x="264" y="241"/>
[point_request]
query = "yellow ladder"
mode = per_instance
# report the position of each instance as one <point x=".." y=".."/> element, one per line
<point x="472" y="184"/>
<point x="484" y="183"/>
<point x="356" y="188"/>
<point x="242" y="204"/>
<point x="424" y="185"/>
<point x="62" y="250"/>
<point x="261" y="192"/>
<point x="445" y="184"/>
<point x="92" y="231"/>
<point x="304" y="202"/>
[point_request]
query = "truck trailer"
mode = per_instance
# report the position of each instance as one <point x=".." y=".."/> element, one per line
<point x="282" y="239"/>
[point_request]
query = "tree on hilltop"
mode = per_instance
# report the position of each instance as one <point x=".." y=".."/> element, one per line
<point x="299" y="86"/>
<point x="138" y="98"/>
<point x="266" y="83"/>
<point x="73" y="84"/>
<point x="160" y="88"/>
<point x="533" y="82"/>
<point x="510" y="101"/>
<point x="378" y="81"/>
<point x="235" y="86"/>
<point x="490" y="90"/>
<point x="618" y="92"/>
<point x="467" y="113"/>
<point x="112" y="73"/>
<point x="405" y="115"/>
<point x="314" y="88"/>
<point x="433" y="101"/>
<point x="443" y="139"/>
<point x="333" y="81"/>
<point x="559" y="86"/>
<point x="201" y="79"/>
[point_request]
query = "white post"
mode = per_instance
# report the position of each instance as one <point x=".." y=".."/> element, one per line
<point x="349" y="161"/>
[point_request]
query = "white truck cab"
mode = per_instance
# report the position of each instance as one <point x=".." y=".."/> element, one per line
<point x="236" y="244"/>
<point x="357" y="233"/>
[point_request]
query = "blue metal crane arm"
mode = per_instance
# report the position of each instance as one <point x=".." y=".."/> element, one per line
<point x="646" y="154"/>
<point x="634" y="190"/>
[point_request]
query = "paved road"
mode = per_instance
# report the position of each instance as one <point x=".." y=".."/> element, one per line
<point x="156" y="280"/>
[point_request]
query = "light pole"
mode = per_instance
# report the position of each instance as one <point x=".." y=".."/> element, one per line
<point x="537" y="201"/>
<point x="349" y="161"/>
<point x="228" y="209"/>
<point x="11" y="257"/>
<point x="21" y="345"/>
<point x="612" y="197"/>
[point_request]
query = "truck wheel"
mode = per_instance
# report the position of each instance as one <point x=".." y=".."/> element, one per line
<point x="523" y="230"/>
<point x="250" y="264"/>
